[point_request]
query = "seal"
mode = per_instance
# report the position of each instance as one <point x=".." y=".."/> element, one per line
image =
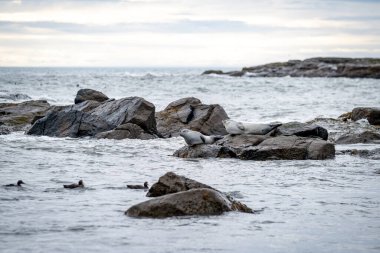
<point x="194" y="138"/>
<point x="145" y="186"/>
<point x="72" y="186"/>
<point x="235" y="127"/>
<point x="19" y="183"/>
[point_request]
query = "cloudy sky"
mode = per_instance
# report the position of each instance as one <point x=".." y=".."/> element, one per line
<point x="230" y="33"/>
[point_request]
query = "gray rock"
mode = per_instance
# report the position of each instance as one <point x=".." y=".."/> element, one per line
<point x="14" y="96"/>
<point x="89" y="94"/>
<point x="4" y="130"/>
<point x="204" y="151"/>
<point x="363" y="137"/>
<point x="209" y="72"/>
<point x="372" y="114"/>
<point x="289" y="148"/>
<point x="302" y="129"/>
<point x="172" y="183"/>
<point x="192" y="202"/>
<point x="190" y="113"/>
<point x="237" y="143"/>
<point x="373" y="154"/>
<point x="18" y="116"/>
<point x="125" y="131"/>
<point x="90" y="118"/>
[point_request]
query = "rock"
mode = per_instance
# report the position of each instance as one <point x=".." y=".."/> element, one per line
<point x="172" y="183"/>
<point x="373" y="154"/>
<point x="125" y="131"/>
<point x="363" y="137"/>
<point x="209" y="72"/>
<point x="289" y="148"/>
<point x="89" y="94"/>
<point x="4" y="130"/>
<point x="192" y="202"/>
<point x="302" y="129"/>
<point x="204" y="151"/>
<point x="190" y="113"/>
<point x="237" y="143"/>
<point x="235" y="73"/>
<point x="90" y="118"/>
<point x="18" y="116"/>
<point x="14" y="96"/>
<point x="372" y="114"/>
<point x="313" y="67"/>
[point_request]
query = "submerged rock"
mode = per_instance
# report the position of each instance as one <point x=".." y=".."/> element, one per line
<point x="363" y="137"/>
<point x="313" y="67"/>
<point x="372" y="114"/>
<point x="373" y="154"/>
<point x="190" y="113"/>
<point x="302" y="129"/>
<point x="192" y="202"/>
<point x="89" y="95"/>
<point x="90" y="118"/>
<point x="18" y="116"/>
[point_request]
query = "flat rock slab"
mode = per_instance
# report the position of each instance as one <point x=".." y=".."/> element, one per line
<point x="205" y="151"/>
<point x="302" y="129"/>
<point x="192" y="202"/>
<point x="126" y="131"/>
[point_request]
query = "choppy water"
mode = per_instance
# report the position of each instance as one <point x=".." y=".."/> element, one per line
<point x="306" y="206"/>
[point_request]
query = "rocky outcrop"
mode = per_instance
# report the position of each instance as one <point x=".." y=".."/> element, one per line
<point x="19" y="116"/>
<point x="262" y="148"/>
<point x="172" y="183"/>
<point x="90" y="118"/>
<point x="190" y="113"/>
<point x="177" y="195"/>
<point x="313" y="67"/>
<point x="363" y="137"/>
<point x="89" y="94"/>
<point x="125" y="131"/>
<point x="192" y="202"/>
<point x="302" y="129"/>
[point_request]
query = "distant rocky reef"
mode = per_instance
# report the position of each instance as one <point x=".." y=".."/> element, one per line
<point x="313" y="67"/>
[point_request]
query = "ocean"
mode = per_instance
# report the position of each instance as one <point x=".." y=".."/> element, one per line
<point x="302" y="206"/>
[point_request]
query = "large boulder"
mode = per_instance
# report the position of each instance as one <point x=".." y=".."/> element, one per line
<point x="192" y="202"/>
<point x="125" y="131"/>
<point x="289" y="148"/>
<point x="204" y="151"/>
<point x="90" y="118"/>
<point x="172" y="183"/>
<point x="363" y="137"/>
<point x="89" y="95"/>
<point x="302" y="129"/>
<point x="19" y="116"/>
<point x="372" y="114"/>
<point x="192" y="114"/>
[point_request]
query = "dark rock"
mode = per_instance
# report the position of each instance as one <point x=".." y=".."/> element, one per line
<point x="363" y="137"/>
<point x="172" y="183"/>
<point x="289" y="148"/>
<point x="372" y="114"/>
<point x="237" y="143"/>
<point x="373" y="154"/>
<point x="235" y="73"/>
<point x="4" y="130"/>
<point x="302" y="129"/>
<point x="125" y="131"/>
<point x="89" y="94"/>
<point x="204" y="151"/>
<point x="315" y="67"/>
<point x="209" y="72"/>
<point x="90" y="118"/>
<point x="192" y="202"/>
<point x="18" y="116"/>
<point x="192" y="114"/>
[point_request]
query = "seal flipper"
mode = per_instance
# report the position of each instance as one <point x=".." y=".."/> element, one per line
<point x="203" y="139"/>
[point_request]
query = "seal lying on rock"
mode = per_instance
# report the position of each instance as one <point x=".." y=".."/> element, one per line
<point x="193" y="137"/>
<point x="19" y="183"/>
<point x="72" y="186"/>
<point x="145" y="186"/>
<point x="235" y="127"/>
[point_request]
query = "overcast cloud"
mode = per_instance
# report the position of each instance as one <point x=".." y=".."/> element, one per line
<point x="184" y="33"/>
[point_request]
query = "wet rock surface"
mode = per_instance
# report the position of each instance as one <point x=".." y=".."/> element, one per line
<point x="302" y="129"/>
<point x="126" y="131"/>
<point x="89" y="95"/>
<point x="373" y="154"/>
<point x="363" y="137"/>
<point x="178" y="195"/>
<point x="372" y="114"/>
<point x="190" y="113"/>
<point x="312" y="67"/>
<point x="205" y="151"/>
<point x="19" y="116"/>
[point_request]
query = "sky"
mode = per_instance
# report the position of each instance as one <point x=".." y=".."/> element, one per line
<point x="184" y="33"/>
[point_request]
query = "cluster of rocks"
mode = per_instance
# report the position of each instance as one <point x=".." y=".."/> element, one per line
<point x="313" y="67"/>
<point x="96" y="115"/>
<point x="175" y="195"/>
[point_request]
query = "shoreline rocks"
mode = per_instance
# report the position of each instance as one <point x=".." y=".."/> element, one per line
<point x="312" y="67"/>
